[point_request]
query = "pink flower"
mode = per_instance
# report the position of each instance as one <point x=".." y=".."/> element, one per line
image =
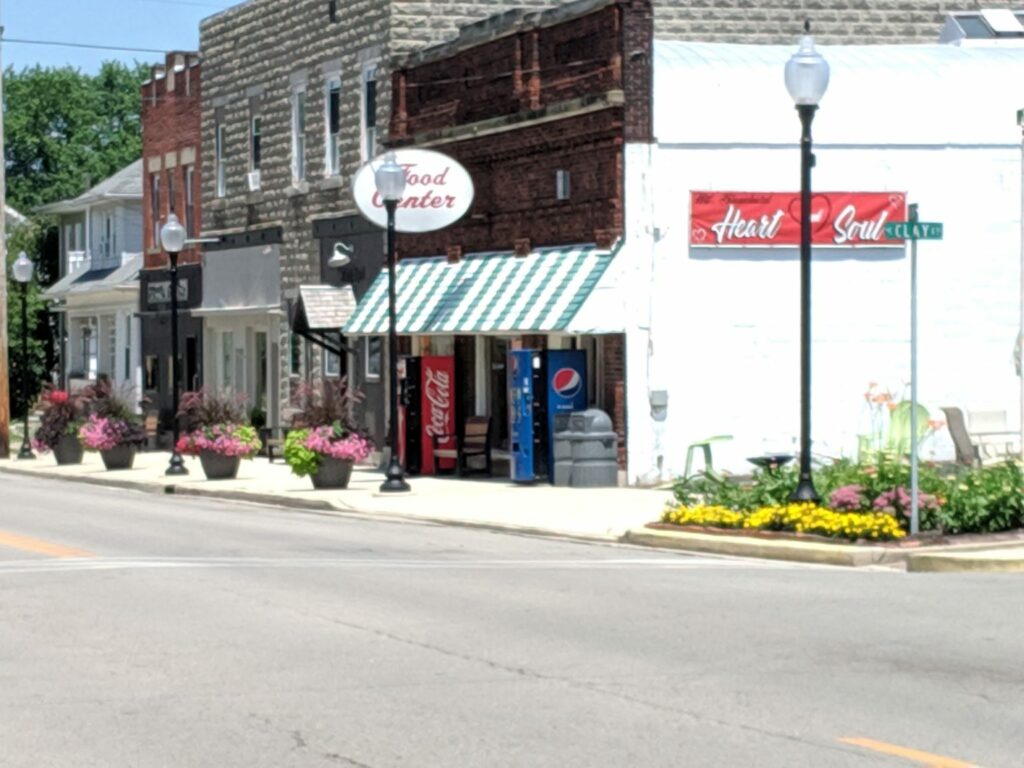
<point x="353" y="447"/>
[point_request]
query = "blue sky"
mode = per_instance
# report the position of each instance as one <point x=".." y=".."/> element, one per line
<point x="156" y="24"/>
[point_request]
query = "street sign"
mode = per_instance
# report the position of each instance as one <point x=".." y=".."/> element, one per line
<point x="913" y="230"/>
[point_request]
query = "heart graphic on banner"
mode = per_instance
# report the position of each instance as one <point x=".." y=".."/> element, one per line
<point x="821" y="212"/>
<point x="700" y="234"/>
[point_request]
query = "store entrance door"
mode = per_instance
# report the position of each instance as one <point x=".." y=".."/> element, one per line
<point x="498" y="356"/>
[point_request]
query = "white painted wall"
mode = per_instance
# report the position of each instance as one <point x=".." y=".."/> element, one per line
<point x="724" y="323"/>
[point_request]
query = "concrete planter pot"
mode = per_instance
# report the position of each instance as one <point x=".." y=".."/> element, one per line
<point x="217" y="466"/>
<point x="333" y="473"/>
<point x="121" y="457"/>
<point x="68" y="450"/>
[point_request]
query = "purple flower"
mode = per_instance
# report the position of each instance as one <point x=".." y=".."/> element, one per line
<point x="849" y="498"/>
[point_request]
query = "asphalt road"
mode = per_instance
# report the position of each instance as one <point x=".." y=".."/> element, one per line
<point x="144" y="630"/>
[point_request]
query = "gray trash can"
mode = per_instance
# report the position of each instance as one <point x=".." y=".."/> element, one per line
<point x="561" y="451"/>
<point x="594" y="450"/>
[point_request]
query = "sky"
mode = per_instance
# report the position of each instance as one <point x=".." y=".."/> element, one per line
<point x="160" y="25"/>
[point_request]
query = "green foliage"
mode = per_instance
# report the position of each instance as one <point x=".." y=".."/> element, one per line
<point x="301" y="459"/>
<point x="985" y="500"/>
<point x="66" y="130"/>
<point x="25" y="237"/>
<point x="968" y="500"/>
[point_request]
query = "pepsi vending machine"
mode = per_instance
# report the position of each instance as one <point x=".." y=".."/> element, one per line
<point x="541" y="385"/>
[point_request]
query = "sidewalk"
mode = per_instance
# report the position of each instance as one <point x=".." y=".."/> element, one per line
<point x="598" y="513"/>
<point x="603" y="514"/>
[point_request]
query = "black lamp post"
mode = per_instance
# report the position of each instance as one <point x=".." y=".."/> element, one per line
<point x="22" y="271"/>
<point x="172" y="238"/>
<point x="806" y="81"/>
<point x="390" y="181"/>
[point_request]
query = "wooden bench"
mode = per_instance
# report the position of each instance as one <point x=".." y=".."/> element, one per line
<point x="475" y="441"/>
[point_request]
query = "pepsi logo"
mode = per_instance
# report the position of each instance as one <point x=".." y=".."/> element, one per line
<point x="567" y="382"/>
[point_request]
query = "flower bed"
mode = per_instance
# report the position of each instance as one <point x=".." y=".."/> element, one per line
<point x="866" y="500"/>
<point x="796" y="518"/>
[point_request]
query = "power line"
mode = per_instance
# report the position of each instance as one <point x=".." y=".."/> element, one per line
<point x="82" y="45"/>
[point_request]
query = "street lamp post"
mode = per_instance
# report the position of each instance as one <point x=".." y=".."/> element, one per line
<point x="22" y="270"/>
<point x="806" y="81"/>
<point x="172" y="238"/>
<point x="390" y="182"/>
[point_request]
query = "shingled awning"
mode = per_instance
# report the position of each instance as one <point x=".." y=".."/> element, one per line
<point x="485" y="292"/>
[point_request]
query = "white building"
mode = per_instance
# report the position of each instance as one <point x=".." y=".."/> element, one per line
<point x="721" y="334"/>
<point x="98" y="293"/>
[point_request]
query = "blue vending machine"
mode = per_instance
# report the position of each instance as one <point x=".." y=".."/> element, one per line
<point x="521" y="407"/>
<point x="540" y="386"/>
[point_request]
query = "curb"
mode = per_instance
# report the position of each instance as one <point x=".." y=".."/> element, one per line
<point x="963" y="563"/>
<point x="318" y="506"/>
<point x="770" y="549"/>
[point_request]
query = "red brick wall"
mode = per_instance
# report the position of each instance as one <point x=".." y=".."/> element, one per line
<point x="171" y="124"/>
<point x="565" y="96"/>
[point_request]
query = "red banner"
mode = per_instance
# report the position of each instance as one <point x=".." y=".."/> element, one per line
<point x="845" y="219"/>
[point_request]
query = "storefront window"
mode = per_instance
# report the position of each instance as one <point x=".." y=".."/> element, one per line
<point x="227" y="359"/>
<point x="374" y="356"/>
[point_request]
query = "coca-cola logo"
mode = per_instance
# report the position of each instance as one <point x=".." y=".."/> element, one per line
<point x="437" y="391"/>
<point x="772" y="219"/>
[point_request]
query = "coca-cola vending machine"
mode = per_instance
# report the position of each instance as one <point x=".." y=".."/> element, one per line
<point x="428" y="410"/>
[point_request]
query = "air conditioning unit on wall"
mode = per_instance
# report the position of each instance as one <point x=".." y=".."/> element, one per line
<point x="252" y="178"/>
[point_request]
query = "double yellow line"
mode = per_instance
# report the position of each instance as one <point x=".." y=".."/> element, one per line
<point x="40" y="547"/>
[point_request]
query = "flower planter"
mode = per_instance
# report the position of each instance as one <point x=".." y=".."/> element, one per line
<point x="68" y="450"/>
<point x="121" y="457"/>
<point x="217" y="466"/>
<point x="332" y="473"/>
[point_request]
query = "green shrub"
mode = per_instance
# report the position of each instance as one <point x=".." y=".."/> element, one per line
<point x="301" y="459"/>
<point x="984" y="500"/>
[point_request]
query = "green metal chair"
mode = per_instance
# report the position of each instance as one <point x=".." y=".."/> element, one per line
<point x="897" y="442"/>
<point x="705" y="446"/>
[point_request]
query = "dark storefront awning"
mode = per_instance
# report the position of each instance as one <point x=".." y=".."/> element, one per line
<point x="321" y="311"/>
<point x="485" y="293"/>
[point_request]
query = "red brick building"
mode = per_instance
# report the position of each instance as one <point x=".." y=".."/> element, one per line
<point x="538" y="107"/>
<point x="171" y="167"/>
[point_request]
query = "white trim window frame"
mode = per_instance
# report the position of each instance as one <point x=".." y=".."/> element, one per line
<point x="154" y="206"/>
<point x="220" y="169"/>
<point x="190" y="196"/>
<point x="332" y="124"/>
<point x="332" y="362"/>
<point x="298" y="134"/>
<point x="373" y="357"/>
<point x="368" y="111"/>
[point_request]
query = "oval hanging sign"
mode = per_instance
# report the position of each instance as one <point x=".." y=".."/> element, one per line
<point x="438" y="191"/>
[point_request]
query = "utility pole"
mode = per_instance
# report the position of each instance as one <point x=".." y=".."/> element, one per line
<point x="5" y="391"/>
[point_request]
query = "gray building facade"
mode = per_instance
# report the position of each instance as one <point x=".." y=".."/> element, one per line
<point x="295" y="97"/>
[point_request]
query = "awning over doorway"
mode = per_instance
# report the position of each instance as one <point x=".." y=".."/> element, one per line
<point x="321" y="311"/>
<point x="323" y="307"/>
<point x="485" y="292"/>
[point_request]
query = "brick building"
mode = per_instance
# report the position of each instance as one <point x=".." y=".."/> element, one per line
<point x="171" y="172"/>
<point x="295" y="97"/>
<point x="538" y="107"/>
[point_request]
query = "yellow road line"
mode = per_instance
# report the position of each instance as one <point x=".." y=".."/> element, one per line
<point x="27" y="544"/>
<point x="925" y="758"/>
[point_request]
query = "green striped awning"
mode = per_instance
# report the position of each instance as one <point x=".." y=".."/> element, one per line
<point x="484" y="292"/>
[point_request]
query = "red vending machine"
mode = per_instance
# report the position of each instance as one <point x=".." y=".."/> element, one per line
<point x="428" y="410"/>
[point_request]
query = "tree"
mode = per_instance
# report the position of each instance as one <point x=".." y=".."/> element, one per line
<point x="65" y="130"/>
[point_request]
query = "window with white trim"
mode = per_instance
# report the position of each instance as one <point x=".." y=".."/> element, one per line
<point x="190" y="215"/>
<point x="154" y="203"/>
<point x="332" y="126"/>
<point x="368" y="112"/>
<point x="299" y="134"/>
<point x="373" y="357"/>
<point x="332" y="362"/>
<point x="220" y="137"/>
